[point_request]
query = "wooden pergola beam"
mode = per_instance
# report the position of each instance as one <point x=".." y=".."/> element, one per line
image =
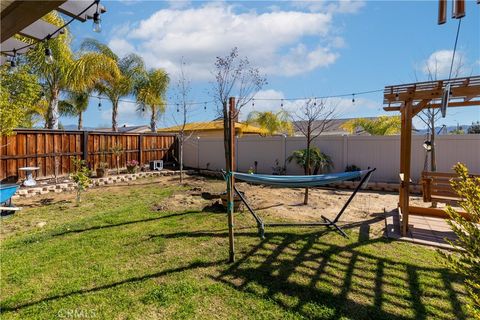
<point x="467" y="103"/>
<point x="20" y="14"/>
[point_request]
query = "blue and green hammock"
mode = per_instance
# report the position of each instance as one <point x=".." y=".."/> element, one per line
<point x="300" y="182"/>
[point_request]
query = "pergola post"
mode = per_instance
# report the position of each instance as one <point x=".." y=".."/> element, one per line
<point x="405" y="163"/>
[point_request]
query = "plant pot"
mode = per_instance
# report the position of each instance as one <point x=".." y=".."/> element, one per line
<point x="101" y="172"/>
<point x="237" y="202"/>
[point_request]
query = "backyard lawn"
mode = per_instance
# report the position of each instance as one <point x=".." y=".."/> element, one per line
<point x="123" y="255"/>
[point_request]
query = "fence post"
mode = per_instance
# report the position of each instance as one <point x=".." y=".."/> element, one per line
<point x="85" y="145"/>
<point x="344" y="151"/>
<point x="140" y="149"/>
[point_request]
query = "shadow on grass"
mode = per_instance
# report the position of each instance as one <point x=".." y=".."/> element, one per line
<point x="318" y="279"/>
<point x="194" y="265"/>
<point x="124" y="223"/>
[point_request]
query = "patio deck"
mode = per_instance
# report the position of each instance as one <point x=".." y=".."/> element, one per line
<point x="422" y="230"/>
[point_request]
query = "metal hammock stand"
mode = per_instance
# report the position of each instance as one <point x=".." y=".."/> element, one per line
<point x="326" y="222"/>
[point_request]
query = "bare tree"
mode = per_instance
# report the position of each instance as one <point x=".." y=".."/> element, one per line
<point x="429" y="116"/>
<point x="234" y="76"/>
<point x="183" y="89"/>
<point x="311" y="120"/>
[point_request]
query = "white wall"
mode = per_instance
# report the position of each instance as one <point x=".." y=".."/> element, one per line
<point x="381" y="152"/>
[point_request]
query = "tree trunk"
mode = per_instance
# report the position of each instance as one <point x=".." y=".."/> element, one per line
<point x="52" y="113"/>
<point x="114" y="115"/>
<point x="181" y="156"/>
<point x="307" y="165"/>
<point x="80" y="121"/>
<point x="153" y="120"/>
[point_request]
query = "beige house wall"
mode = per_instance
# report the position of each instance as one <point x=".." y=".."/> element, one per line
<point x="382" y="152"/>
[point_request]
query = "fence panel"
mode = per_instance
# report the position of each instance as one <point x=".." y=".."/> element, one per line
<point x="382" y="152"/>
<point x="51" y="150"/>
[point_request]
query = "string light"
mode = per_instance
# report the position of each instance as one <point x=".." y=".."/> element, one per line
<point x="13" y="61"/>
<point x="253" y="102"/>
<point x="315" y="102"/>
<point x="97" y="26"/>
<point x="48" y="52"/>
<point x="99" y="103"/>
<point x="178" y="108"/>
<point x="353" y="97"/>
<point x="320" y="97"/>
<point x="205" y="106"/>
<point x="281" y="104"/>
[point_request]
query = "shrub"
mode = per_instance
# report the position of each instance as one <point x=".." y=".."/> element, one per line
<point x="467" y="261"/>
<point x="80" y="177"/>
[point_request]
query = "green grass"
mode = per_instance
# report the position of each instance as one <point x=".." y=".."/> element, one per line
<point x="115" y="257"/>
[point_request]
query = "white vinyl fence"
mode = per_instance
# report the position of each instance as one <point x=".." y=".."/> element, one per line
<point x="381" y="152"/>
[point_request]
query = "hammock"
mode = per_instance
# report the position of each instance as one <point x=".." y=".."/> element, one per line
<point x="299" y="181"/>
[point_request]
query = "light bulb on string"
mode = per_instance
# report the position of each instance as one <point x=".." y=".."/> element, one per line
<point x="205" y="106"/>
<point x="315" y="102"/>
<point x="99" y="103"/>
<point x="178" y="108"/>
<point x="281" y="103"/>
<point x="13" y="61"/>
<point x="353" y="97"/>
<point x="48" y="52"/>
<point x="97" y="21"/>
<point x="253" y="102"/>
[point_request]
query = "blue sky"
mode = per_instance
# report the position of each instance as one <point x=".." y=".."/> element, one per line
<point x="305" y="48"/>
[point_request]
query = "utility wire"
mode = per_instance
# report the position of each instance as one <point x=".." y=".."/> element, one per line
<point x="454" y="49"/>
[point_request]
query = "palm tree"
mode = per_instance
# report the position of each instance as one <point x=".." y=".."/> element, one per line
<point x="381" y="126"/>
<point x="319" y="161"/>
<point x="272" y="122"/>
<point x="68" y="71"/>
<point x="131" y="70"/>
<point x="150" y="92"/>
<point x="75" y="106"/>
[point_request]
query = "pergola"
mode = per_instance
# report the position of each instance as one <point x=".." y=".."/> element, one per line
<point x="410" y="99"/>
<point x="24" y="18"/>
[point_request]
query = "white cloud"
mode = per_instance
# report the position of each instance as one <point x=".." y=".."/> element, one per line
<point x="275" y="41"/>
<point x="121" y="46"/>
<point x="343" y="6"/>
<point x="438" y="64"/>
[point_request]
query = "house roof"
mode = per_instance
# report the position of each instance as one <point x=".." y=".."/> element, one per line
<point x="243" y="128"/>
<point x="125" y="129"/>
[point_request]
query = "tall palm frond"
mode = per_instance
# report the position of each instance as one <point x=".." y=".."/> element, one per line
<point x="150" y="91"/>
<point x="272" y="122"/>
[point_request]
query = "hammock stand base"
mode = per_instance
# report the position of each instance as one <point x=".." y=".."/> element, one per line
<point x="327" y="222"/>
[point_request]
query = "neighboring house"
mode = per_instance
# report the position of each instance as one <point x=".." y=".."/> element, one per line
<point x="128" y="129"/>
<point x="214" y="129"/>
<point x="333" y="128"/>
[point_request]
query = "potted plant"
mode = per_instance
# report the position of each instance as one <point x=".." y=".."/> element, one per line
<point x="102" y="169"/>
<point x="132" y="166"/>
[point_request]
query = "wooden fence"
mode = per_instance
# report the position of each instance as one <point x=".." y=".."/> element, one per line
<point x="51" y="150"/>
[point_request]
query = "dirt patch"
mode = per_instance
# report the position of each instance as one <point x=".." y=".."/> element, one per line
<point x="270" y="203"/>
